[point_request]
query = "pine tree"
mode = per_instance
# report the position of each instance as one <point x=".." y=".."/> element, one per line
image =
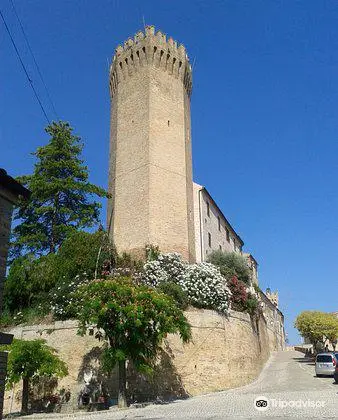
<point x="62" y="198"/>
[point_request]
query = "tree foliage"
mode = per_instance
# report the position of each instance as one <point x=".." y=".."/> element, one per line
<point x="176" y="292"/>
<point x="51" y="278"/>
<point x="62" y="198"/>
<point x="29" y="360"/>
<point x="134" y="319"/>
<point x="316" y="326"/>
<point x="231" y="264"/>
<point x="83" y="252"/>
<point x="28" y="281"/>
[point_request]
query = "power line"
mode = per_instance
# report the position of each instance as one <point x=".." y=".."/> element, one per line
<point x="33" y="56"/>
<point x="24" y="68"/>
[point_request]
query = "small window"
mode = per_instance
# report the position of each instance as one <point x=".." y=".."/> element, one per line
<point x="168" y="123"/>
<point x="219" y="223"/>
<point x="208" y="208"/>
<point x="209" y="239"/>
<point x="228" y="234"/>
<point x="220" y="247"/>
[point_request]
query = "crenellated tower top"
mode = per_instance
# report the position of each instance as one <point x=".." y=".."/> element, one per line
<point x="150" y="48"/>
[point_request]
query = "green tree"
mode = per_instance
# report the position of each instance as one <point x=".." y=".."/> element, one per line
<point x="231" y="264"/>
<point x="83" y="252"/>
<point x="29" y="360"/>
<point x="28" y="281"/>
<point x="331" y="329"/>
<point x="61" y="199"/>
<point x="33" y="281"/>
<point x="135" y="320"/>
<point x="316" y="326"/>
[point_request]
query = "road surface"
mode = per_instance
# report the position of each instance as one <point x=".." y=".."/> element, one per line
<point x="287" y="383"/>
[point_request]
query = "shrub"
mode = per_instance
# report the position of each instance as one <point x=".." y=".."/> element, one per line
<point x="126" y="261"/>
<point x="31" y="315"/>
<point x="239" y="294"/>
<point x="203" y="283"/>
<point x="251" y="304"/>
<point x="83" y="252"/>
<point x="206" y="287"/>
<point x="167" y="268"/>
<point x="231" y="264"/>
<point x="28" y="281"/>
<point x="152" y="252"/>
<point x="61" y="297"/>
<point x="176" y="292"/>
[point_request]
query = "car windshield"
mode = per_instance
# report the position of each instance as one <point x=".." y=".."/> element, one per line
<point x="324" y="358"/>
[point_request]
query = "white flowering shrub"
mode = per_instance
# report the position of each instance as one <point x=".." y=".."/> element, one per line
<point x="206" y="287"/>
<point x="167" y="267"/>
<point x="62" y="296"/>
<point x="203" y="283"/>
<point x="252" y="291"/>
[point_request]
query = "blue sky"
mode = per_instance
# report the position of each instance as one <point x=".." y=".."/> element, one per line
<point x="264" y="116"/>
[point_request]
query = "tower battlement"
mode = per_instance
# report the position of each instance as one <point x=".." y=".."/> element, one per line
<point x="150" y="48"/>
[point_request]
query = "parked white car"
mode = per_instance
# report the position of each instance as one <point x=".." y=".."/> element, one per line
<point x="325" y="364"/>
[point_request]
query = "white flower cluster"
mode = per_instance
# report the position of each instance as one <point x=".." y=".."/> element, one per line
<point x="206" y="287"/>
<point x="168" y="267"/>
<point x="203" y="283"/>
<point x="251" y="290"/>
<point x="61" y="299"/>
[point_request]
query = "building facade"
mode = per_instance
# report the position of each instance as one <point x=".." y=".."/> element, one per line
<point x="273" y="296"/>
<point x="253" y="265"/>
<point x="213" y="231"/>
<point x="10" y="192"/>
<point x="150" y="165"/>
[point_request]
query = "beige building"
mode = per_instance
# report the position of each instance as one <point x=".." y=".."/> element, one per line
<point x="212" y="230"/>
<point x="253" y="265"/>
<point x="273" y="296"/>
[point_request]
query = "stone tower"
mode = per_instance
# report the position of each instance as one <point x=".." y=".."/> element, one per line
<point x="150" y="162"/>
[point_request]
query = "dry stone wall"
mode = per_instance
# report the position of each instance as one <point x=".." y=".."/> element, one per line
<point x="225" y="352"/>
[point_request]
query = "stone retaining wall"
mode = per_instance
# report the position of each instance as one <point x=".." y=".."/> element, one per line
<point x="225" y="352"/>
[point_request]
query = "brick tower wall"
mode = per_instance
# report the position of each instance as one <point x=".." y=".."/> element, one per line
<point x="150" y="177"/>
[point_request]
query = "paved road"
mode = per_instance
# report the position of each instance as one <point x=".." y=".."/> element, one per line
<point x="287" y="379"/>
